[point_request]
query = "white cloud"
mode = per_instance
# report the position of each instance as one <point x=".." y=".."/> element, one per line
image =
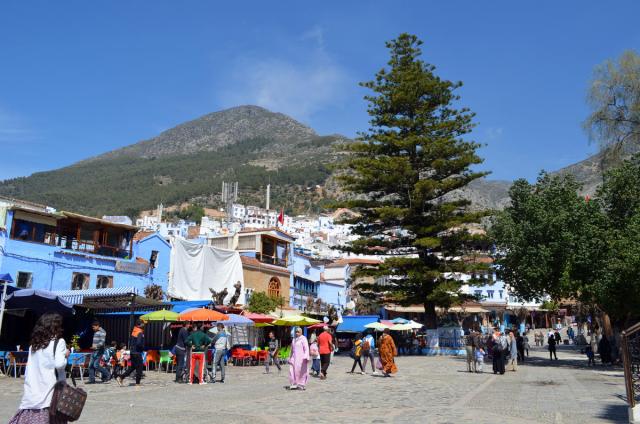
<point x="14" y="129"/>
<point x="299" y="86"/>
<point x="493" y="133"/>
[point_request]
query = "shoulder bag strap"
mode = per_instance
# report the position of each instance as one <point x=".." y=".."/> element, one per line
<point x="55" y="346"/>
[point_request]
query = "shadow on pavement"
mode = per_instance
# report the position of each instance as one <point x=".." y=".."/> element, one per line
<point x="615" y="414"/>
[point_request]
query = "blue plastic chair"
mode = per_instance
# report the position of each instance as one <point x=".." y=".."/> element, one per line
<point x="78" y="360"/>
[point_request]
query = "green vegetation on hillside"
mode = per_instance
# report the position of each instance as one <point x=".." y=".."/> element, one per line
<point x="126" y="185"/>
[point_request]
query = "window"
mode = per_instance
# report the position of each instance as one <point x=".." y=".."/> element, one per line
<point x="478" y="293"/>
<point x="500" y="293"/>
<point x="104" y="282"/>
<point x="153" y="259"/>
<point x="490" y="294"/>
<point x="274" y="287"/>
<point x="24" y="280"/>
<point x="33" y="231"/>
<point x="80" y="281"/>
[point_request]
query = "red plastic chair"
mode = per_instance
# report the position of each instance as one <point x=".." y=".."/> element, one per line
<point x="263" y="356"/>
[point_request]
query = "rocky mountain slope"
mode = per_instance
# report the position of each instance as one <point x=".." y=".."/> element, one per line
<point x="218" y="129"/>
<point x="247" y="144"/>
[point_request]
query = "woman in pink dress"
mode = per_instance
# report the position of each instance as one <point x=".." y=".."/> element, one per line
<point x="299" y="361"/>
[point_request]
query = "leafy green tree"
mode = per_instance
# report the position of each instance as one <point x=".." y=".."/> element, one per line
<point x="618" y="287"/>
<point x="261" y="303"/>
<point x="399" y="174"/>
<point x="551" y="241"/>
<point x="614" y="98"/>
<point x="543" y="238"/>
<point x="191" y="213"/>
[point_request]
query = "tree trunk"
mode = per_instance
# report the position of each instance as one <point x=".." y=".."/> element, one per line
<point x="430" y="316"/>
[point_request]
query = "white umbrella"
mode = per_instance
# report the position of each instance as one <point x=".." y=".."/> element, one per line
<point x="401" y="327"/>
<point x="378" y="326"/>
<point x="415" y="325"/>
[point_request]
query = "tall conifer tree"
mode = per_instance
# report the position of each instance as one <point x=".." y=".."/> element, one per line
<point x="400" y="174"/>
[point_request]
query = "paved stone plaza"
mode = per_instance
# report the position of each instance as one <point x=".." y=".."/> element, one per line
<point x="425" y="390"/>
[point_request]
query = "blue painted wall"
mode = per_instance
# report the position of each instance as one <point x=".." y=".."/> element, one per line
<point x="52" y="268"/>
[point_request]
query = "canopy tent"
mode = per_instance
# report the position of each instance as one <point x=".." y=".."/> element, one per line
<point x="356" y="323"/>
<point x="296" y="320"/>
<point x="195" y="269"/>
<point x="115" y="299"/>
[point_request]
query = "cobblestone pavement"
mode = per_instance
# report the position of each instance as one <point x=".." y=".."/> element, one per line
<point x="425" y="390"/>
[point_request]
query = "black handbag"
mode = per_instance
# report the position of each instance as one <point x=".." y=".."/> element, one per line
<point x="67" y="402"/>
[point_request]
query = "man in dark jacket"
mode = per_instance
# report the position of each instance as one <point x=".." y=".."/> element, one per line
<point x="181" y="352"/>
<point x="136" y="347"/>
<point x="552" y="347"/>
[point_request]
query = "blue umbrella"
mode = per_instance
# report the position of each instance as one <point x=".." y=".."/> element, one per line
<point x="6" y="277"/>
<point x="400" y="321"/>
<point x="39" y="301"/>
<point x="235" y="319"/>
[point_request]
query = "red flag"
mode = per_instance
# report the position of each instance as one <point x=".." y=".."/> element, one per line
<point x="281" y="217"/>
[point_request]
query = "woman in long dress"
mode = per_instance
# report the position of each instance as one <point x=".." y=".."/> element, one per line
<point x="388" y="351"/>
<point x="47" y="360"/>
<point x="299" y="361"/>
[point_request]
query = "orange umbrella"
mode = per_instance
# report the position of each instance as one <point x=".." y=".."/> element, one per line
<point x="202" y="314"/>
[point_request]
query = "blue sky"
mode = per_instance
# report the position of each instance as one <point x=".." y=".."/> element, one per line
<point x="80" y="78"/>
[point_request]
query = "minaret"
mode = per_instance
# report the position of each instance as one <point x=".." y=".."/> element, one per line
<point x="268" y="196"/>
<point x="160" y="208"/>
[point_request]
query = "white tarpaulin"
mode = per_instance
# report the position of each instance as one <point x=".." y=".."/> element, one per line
<point x="196" y="268"/>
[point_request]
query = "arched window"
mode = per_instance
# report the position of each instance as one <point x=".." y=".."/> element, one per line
<point x="274" y="287"/>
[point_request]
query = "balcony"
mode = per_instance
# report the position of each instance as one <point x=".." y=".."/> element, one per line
<point x="272" y="260"/>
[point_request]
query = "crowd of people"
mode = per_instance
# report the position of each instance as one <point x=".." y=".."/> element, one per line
<point x="48" y="358"/>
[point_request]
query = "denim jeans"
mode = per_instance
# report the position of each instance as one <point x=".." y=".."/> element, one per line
<point x="181" y="362"/>
<point x="275" y="361"/>
<point x="218" y="359"/>
<point x="94" y="365"/>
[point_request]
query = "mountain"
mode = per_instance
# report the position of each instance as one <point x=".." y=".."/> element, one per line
<point x="493" y="194"/>
<point x="219" y="129"/>
<point x="247" y="144"/>
<point x="188" y="163"/>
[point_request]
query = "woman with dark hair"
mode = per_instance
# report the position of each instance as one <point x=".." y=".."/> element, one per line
<point x="47" y="359"/>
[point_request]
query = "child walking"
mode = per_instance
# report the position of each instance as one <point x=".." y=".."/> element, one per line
<point x="314" y="353"/>
<point x="480" y="353"/>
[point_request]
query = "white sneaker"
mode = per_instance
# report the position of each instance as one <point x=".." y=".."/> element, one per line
<point x="293" y="387"/>
<point x="375" y="372"/>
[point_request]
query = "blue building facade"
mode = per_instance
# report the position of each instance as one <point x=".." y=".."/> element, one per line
<point x="56" y="251"/>
<point x="308" y="282"/>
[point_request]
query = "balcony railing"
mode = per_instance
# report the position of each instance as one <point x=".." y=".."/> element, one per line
<point x="272" y="260"/>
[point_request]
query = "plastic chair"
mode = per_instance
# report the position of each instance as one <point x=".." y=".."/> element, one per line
<point x="78" y="361"/>
<point x="4" y="361"/>
<point x="17" y="360"/>
<point x="263" y="356"/>
<point x="151" y="356"/>
<point x="165" y="358"/>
